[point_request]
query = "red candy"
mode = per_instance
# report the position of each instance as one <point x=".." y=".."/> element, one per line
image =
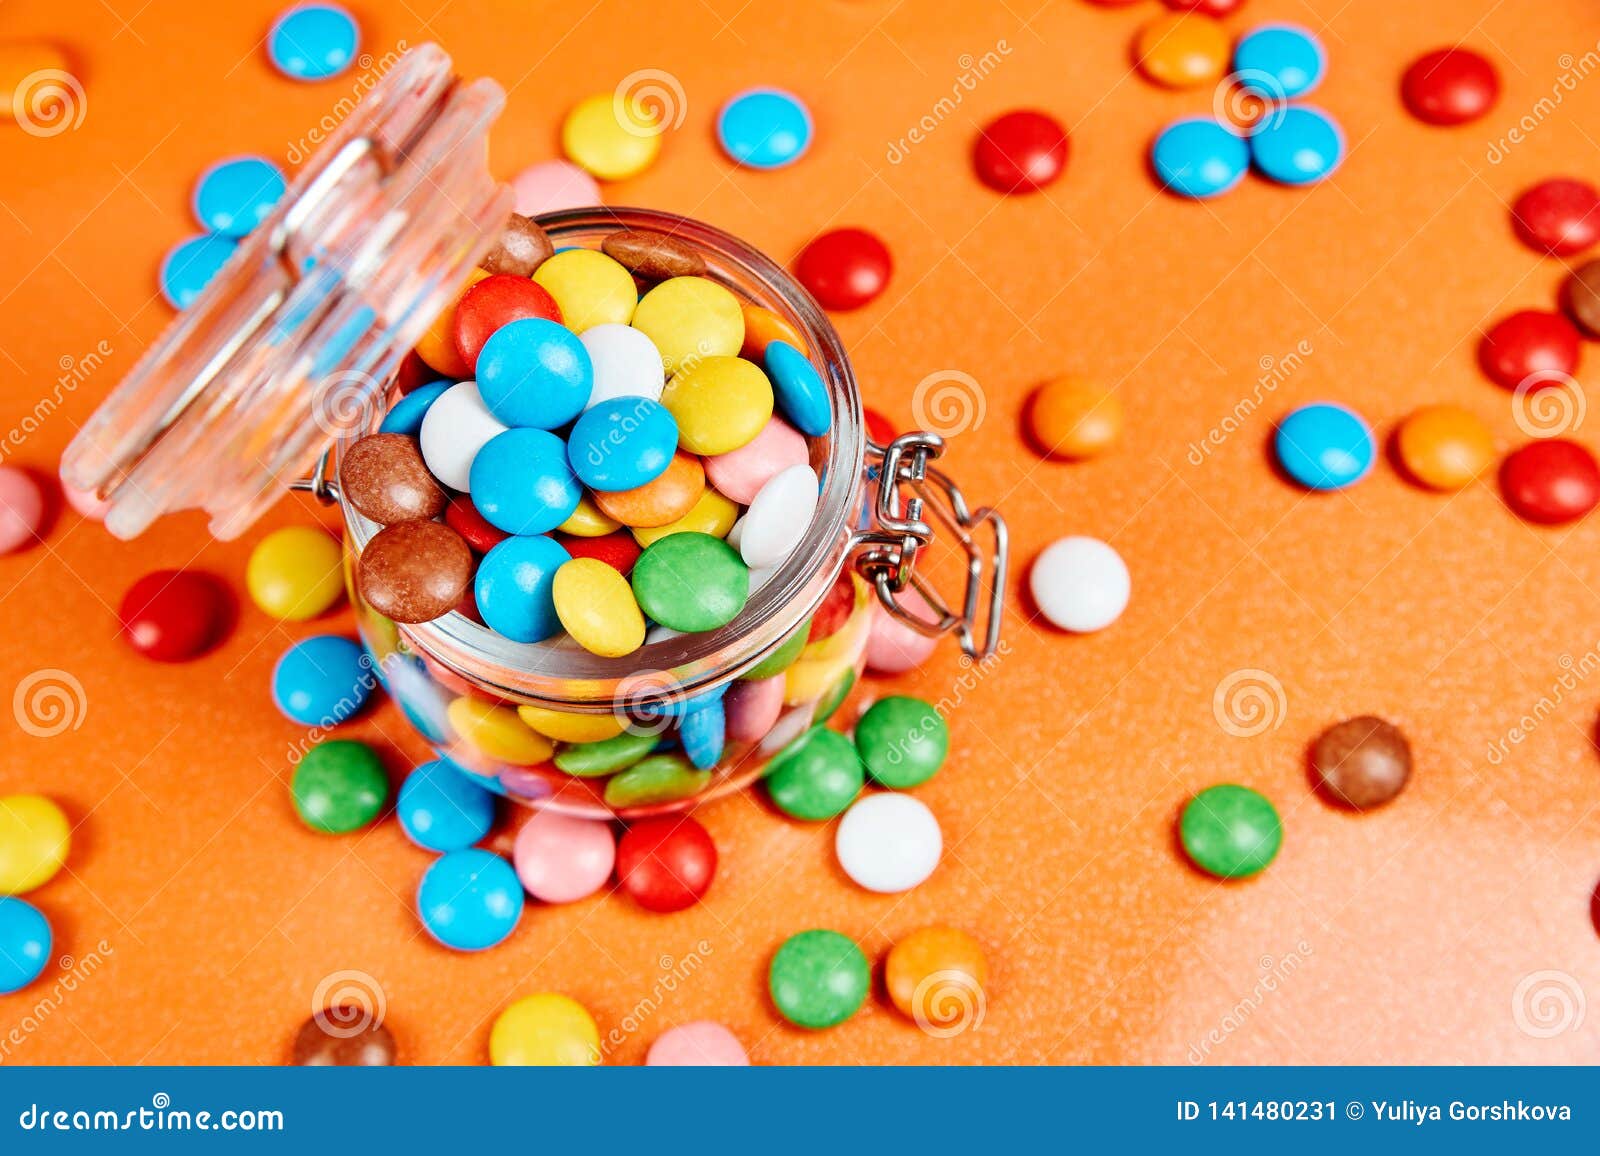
<point x="1450" y="86"/>
<point x="1560" y="216"/>
<point x="1551" y="481"/>
<point x="844" y="269"/>
<point x="835" y="609"/>
<point x="463" y="517"/>
<point x="879" y="428"/>
<point x="1020" y="152"/>
<point x="617" y="549"/>
<point x="413" y="373"/>
<point x="666" y="863"/>
<point x="1528" y="343"/>
<point x="174" y="615"/>
<point x="1218" y="8"/>
<point x="496" y="301"/>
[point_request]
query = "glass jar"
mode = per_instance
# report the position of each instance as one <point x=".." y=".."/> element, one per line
<point x="290" y="355"/>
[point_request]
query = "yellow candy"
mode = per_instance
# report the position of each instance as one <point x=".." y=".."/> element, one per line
<point x="46" y="101"/>
<point x="712" y="514"/>
<point x="34" y="838"/>
<point x="437" y="346"/>
<point x="590" y="288"/>
<point x="295" y="573"/>
<point x="689" y="318"/>
<point x="611" y="138"/>
<point x="596" y="605"/>
<point x="572" y="728"/>
<point x="498" y="732"/>
<point x="587" y="521"/>
<point x="544" y="1030"/>
<point x="720" y="404"/>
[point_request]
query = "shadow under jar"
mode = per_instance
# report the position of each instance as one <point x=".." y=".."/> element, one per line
<point x="289" y="357"/>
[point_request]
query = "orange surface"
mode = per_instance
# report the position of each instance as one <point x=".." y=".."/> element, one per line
<point x="1398" y="936"/>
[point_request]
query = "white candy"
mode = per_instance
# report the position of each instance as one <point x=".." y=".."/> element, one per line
<point x="1080" y="584"/>
<point x="778" y="517"/>
<point x="626" y="363"/>
<point x="888" y="842"/>
<point x="454" y="429"/>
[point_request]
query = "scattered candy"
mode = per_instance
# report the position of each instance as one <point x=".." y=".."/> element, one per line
<point x="414" y="571"/>
<point x="561" y="858"/>
<point x="888" y="842"/>
<point x="1450" y="86"/>
<point x="1531" y="346"/>
<point x="818" y="979"/>
<point x="894" y="647"/>
<point x="544" y="1030"/>
<point x="1230" y="831"/>
<point x="902" y="741"/>
<point x="1362" y="762"/>
<point x="21" y="509"/>
<point x="613" y="139"/>
<point x="346" y="1036"/>
<point x="339" y="786"/>
<point x="322" y="681"/>
<point x="175" y="615"/>
<point x="1580" y="296"/>
<point x="1324" y="446"/>
<point x="1444" y="447"/>
<point x="313" y="41"/>
<point x="1297" y="146"/>
<point x="815" y="777"/>
<point x="1217" y="8"/>
<point x="21" y="63"/>
<point x="34" y="840"/>
<point x="24" y="943"/>
<point x="1080" y="584"/>
<point x="1552" y="481"/>
<point x="764" y="128"/>
<point x="384" y="477"/>
<point x="1199" y="158"/>
<point x="295" y="573"/>
<point x="1279" y="62"/>
<point x="191" y="265"/>
<point x="1560" y="216"/>
<point x="1182" y="50"/>
<point x="441" y="809"/>
<point x="551" y="186"/>
<point x="666" y="863"/>
<point x="470" y="900"/>
<point x="234" y="196"/>
<point x="1019" y="152"/>
<point x="937" y="976"/>
<point x="654" y="256"/>
<point x="1071" y="418"/>
<point x="701" y="1044"/>
<point x="844" y="269"/>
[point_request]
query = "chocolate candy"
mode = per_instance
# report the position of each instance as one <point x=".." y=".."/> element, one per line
<point x="1363" y="762"/>
<point x="384" y="477"/>
<point x="343" y="1037"/>
<point x="522" y="248"/>
<point x="654" y="256"/>
<point x="414" y="571"/>
<point x="1581" y="298"/>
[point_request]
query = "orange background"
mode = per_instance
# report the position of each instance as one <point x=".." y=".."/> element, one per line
<point x="1410" y="929"/>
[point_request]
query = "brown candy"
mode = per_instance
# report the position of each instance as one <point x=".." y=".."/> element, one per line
<point x="414" y="571"/>
<point x="654" y="256"/>
<point x="384" y="477"/>
<point x="522" y="248"/>
<point x="1362" y="762"/>
<point x="343" y="1037"/>
<point x="1582" y="298"/>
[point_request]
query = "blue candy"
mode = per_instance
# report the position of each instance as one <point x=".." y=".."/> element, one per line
<point x="535" y="374"/>
<point x="313" y="41"/>
<point x="470" y="900"/>
<point x="764" y="128"/>
<point x="797" y="387"/>
<point x="1324" y="446"/>
<point x="440" y="809"/>
<point x="407" y="414"/>
<point x="24" y="943"/>
<point x="233" y="197"/>
<point x="189" y="267"/>
<point x="514" y="588"/>
<point x="622" y="443"/>
<point x="703" y="732"/>
<point x="1297" y="146"/>
<point x="322" y="681"/>
<point x="521" y="483"/>
<point x="1199" y="158"/>
<point x="1278" y="62"/>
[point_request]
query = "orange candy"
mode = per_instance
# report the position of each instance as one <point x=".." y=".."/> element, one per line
<point x="665" y="499"/>
<point x="1444" y="446"/>
<point x="763" y="326"/>
<point x="1071" y="418"/>
<point x="438" y="346"/>
<point x="1182" y="50"/>
<point x="936" y="976"/>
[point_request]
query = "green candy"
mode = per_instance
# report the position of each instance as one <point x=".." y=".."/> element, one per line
<point x="816" y="776"/>
<point x="591" y="760"/>
<point x="783" y="658"/>
<point x="691" y="582"/>
<point x="902" y="741"/>
<point x="818" y="979"/>
<point x="658" y="779"/>
<point x="1230" y="831"/>
<point x="339" y="786"/>
<point x="835" y="696"/>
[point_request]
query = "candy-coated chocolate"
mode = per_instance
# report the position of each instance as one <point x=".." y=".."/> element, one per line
<point x="655" y="780"/>
<point x="522" y="483"/>
<point x="691" y="582"/>
<point x="845" y="268"/>
<point x="1072" y="418"/>
<point x="623" y="443"/>
<point x="495" y="302"/>
<point x="1325" y="446"/>
<point x="561" y="858"/>
<point x="902" y="741"/>
<point x="1230" y="831"/>
<point x="497" y="731"/>
<point x="888" y="842"/>
<point x="752" y="707"/>
<point x="469" y="900"/>
<point x="513" y="588"/>
<point x="25" y="941"/>
<point x="596" y="606"/>
<point x="701" y="1044"/>
<point x="1552" y="481"/>
<point x="1279" y="62"/>
<point x="232" y="197"/>
<point x="339" y="786"/>
<point x="818" y="979"/>
<point x="764" y="128"/>
<point x="894" y="647"/>
<point x="437" y="346"/>
<point x="592" y="760"/>
<point x="666" y="498"/>
<point x="833" y="698"/>
<point x="879" y="428"/>
<point x="666" y="863"/>
<point x="937" y="976"/>
<point x="1297" y="145"/>
<point x="612" y="138"/>
<point x="175" y="615"/>
<point x="798" y="389"/>
<point x="690" y="319"/>
<point x="189" y="267"/>
<point x="1444" y="446"/>
<point x="322" y="681"/>
<point x="455" y="428"/>
<point x="523" y="246"/>
<point x="1018" y="152"/>
<point x="1362" y="762"/>
<point x="704" y="735"/>
<point x="544" y="1030"/>
<point x="815" y="777"/>
<point x="345" y="1036"/>
<point x="1580" y="297"/>
<point x="1450" y="86"/>
<point x="571" y="727"/>
<point x="550" y="186"/>
<point x="384" y="477"/>
<point x="711" y="514"/>
<point x="34" y="840"/>
<point x="441" y="809"/>
<point x="617" y="550"/>
<point x="779" y="517"/>
<point x="626" y="363"/>
<point x="1531" y="346"/>
<point x="783" y="656"/>
<point x="590" y="289"/>
<point x="1080" y="584"/>
<point x="406" y="415"/>
<point x="1182" y="50"/>
<point x="834" y="610"/>
<point x="313" y="41"/>
<point x="534" y="373"/>
<point x="21" y="509"/>
<point x="475" y="530"/>
<point x="739" y="474"/>
<point x="1199" y="157"/>
<point x="761" y="328"/>
<point x="719" y="404"/>
<point x="653" y="255"/>
<point x="414" y="571"/>
<point x="1217" y="8"/>
<point x="588" y="520"/>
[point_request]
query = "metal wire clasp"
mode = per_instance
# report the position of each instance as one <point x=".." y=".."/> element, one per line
<point x="907" y="487"/>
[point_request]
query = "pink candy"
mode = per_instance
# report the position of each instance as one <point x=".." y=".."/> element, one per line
<point x="740" y="474"/>
<point x="21" y="509"/>
<point x="551" y="186"/>
<point x="702" y="1044"/>
<point x="892" y="646"/>
<point x="751" y="708"/>
<point x="561" y="859"/>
